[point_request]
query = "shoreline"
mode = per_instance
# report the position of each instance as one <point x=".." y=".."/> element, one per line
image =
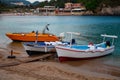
<point x="63" y="14"/>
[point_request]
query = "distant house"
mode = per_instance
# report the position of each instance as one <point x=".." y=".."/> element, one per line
<point x="49" y="10"/>
<point x="49" y="7"/>
<point x="46" y="10"/>
<point x="74" y="8"/>
<point x="68" y="5"/>
<point x="77" y="5"/>
<point x="73" y="5"/>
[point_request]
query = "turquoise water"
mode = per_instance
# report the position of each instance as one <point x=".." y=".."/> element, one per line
<point x="90" y="27"/>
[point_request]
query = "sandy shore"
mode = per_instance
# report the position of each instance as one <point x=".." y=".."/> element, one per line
<point x="46" y="70"/>
<point x="49" y="71"/>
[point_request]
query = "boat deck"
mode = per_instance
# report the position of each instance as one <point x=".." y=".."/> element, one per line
<point x="85" y="47"/>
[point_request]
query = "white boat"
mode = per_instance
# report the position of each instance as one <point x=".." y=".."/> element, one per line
<point x="33" y="48"/>
<point x="74" y="52"/>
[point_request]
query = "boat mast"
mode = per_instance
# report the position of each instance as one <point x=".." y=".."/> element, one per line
<point x="36" y="37"/>
<point x="46" y="27"/>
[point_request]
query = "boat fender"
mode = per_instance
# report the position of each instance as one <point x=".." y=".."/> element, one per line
<point x="50" y="35"/>
<point x="90" y="43"/>
<point x="91" y="46"/>
<point x="23" y="34"/>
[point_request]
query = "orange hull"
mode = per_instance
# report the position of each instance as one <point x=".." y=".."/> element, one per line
<point x="31" y="37"/>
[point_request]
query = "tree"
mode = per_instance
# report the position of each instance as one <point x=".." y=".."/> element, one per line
<point x="91" y="4"/>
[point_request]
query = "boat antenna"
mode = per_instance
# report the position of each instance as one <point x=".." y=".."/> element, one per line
<point x="46" y="27"/>
<point x="36" y="37"/>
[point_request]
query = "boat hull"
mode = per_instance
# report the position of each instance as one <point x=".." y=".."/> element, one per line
<point x="34" y="50"/>
<point x="34" y="53"/>
<point x="30" y="37"/>
<point x="66" y="53"/>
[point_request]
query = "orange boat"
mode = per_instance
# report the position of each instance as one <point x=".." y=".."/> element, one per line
<point x="33" y="36"/>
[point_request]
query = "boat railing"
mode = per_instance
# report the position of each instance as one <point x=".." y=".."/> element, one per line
<point x="109" y="36"/>
<point x="72" y="41"/>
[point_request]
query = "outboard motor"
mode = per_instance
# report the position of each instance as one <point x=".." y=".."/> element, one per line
<point x="73" y="41"/>
<point x="108" y="43"/>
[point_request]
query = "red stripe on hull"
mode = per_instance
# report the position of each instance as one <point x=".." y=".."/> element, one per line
<point x="62" y="59"/>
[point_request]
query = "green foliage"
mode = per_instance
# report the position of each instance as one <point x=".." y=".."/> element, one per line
<point x="60" y="3"/>
<point x="42" y="4"/>
<point x="57" y="3"/>
<point x="111" y="3"/>
<point x="2" y="5"/>
<point x="91" y="4"/>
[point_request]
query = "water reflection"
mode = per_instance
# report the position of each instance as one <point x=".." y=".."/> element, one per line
<point x="16" y="46"/>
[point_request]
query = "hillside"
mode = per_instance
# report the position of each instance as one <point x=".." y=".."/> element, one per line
<point x="102" y="7"/>
<point x="8" y="2"/>
<point x="94" y="7"/>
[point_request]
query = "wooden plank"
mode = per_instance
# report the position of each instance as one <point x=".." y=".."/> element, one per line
<point x="38" y="58"/>
<point x="16" y="61"/>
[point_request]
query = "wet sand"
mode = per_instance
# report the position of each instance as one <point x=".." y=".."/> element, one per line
<point x="49" y="71"/>
<point x="52" y="69"/>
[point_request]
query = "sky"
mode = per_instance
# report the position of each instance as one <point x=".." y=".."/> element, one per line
<point x="35" y="0"/>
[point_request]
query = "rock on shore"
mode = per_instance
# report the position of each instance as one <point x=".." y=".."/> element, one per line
<point x="104" y="11"/>
<point x="110" y="11"/>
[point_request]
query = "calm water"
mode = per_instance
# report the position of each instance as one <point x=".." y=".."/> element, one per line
<point x="90" y="28"/>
